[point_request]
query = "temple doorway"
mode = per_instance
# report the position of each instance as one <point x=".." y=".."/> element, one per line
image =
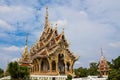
<point x="44" y="65"/>
<point x="61" y="64"/>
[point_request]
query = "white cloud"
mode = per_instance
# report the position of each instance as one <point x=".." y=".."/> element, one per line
<point x="4" y="26"/>
<point x="14" y="14"/>
<point x="61" y="23"/>
<point x="3" y="35"/>
<point x="9" y="53"/>
<point x="12" y="48"/>
<point x="115" y="44"/>
<point x="103" y="11"/>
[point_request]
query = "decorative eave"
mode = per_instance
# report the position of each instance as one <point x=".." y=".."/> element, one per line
<point x="72" y="54"/>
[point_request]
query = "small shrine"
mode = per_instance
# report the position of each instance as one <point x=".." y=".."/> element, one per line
<point x="103" y="67"/>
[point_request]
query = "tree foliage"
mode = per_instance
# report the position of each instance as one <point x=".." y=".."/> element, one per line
<point x="1" y="72"/>
<point x="115" y="69"/>
<point x="13" y="70"/>
<point x="116" y="63"/>
<point x="84" y="72"/>
<point x="69" y="77"/>
<point x="92" y="70"/>
<point x="24" y="72"/>
<point x="81" y="72"/>
<point x="114" y="74"/>
<point x="18" y="72"/>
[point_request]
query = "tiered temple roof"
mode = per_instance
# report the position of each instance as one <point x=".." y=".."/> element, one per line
<point x="49" y="41"/>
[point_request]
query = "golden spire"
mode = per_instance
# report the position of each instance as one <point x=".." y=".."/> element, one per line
<point x="26" y="39"/>
<point x="63" y="30"/>
<point x="26" y="46"/>
<point x="46" y="17"/>
<point x="101" y="52"/>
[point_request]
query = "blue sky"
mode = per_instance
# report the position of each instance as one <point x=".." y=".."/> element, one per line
<point x="89" y="26"/>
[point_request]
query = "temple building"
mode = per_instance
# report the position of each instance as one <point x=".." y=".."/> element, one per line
<point x="50" y="55"/>
<point x="103" y="67"/>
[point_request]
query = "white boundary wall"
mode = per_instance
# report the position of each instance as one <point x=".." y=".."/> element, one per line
<point x="41" y="77"/>
<point x="45" y="77"/>
<point x="5" y="78"/>
<point x="90" y="78"/>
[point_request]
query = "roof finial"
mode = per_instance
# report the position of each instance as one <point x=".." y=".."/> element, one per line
<point x="46" y="11"/>
<point x="46" y="17"/>
<point x="27" y="39"/>
<point x="63" y="30"/>
<point x="101" y="52"/>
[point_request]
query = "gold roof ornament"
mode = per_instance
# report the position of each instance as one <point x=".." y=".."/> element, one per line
<point x="26" y="46"/>
<point x="63" y="28"/>
<point x="46" y="18"/>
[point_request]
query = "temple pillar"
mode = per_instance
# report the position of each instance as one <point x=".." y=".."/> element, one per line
<point x="50" y="64"/>
<point x="39" y="66"/>
<point x="65" y="67"/>
<point x="33" y="69"/>
<point x="71" y="67"/>
<point x="57" y="67"/>
<point x="30" y="70"/>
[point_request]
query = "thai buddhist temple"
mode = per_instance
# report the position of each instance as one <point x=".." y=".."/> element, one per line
<point x="103" y="67"/>
<point x="51" y="54"/>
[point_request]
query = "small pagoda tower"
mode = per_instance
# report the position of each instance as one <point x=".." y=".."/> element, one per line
<point x="25" y="59"/>
<point x="103" y="67"/>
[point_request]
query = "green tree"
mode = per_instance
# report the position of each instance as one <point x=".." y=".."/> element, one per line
<point x="93" y="69"/>
<point x="81" y="72"/>
<point x="24" y="73"/>
<point x="13" y="69"/>
<point x="69" y="77"/>
<point x="116" y="63"/>
<point x="18" y="72"/>
<point x="114" y="73"/>
<point x="1" y="72"/>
